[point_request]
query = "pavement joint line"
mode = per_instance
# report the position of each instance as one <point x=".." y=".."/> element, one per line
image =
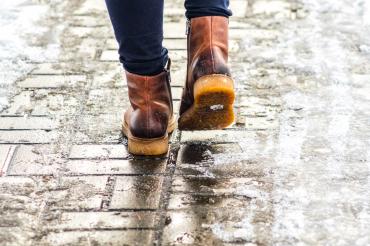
<point x="104" y="229"/>
<point x="93" y="175"/>
<point x="25" y="129"/>
<point x="166" y="187"/>
<point x="223" y="195"/>
<point x="108" y="192"/>
<point x="154" y="210"/>
<point x="22" y="116"/>
<point x="26" y="143"/>
<point x="8" y="159"/>
<point x="111" y="158"/>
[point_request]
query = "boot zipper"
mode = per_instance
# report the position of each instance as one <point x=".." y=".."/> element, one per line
<point x="188" y="25"/>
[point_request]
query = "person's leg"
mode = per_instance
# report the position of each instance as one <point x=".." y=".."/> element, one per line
<point x="199" y="8"/>
<point x="138" y="27"/>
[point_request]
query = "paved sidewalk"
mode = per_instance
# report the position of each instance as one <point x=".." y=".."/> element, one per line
<point x="294" y="169"/>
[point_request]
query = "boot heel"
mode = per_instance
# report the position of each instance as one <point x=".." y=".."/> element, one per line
<point x="213" y="104"/>
<point x="139" y="146"/>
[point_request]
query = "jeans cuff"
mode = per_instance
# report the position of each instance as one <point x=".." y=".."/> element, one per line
<point x="146" y="68"/>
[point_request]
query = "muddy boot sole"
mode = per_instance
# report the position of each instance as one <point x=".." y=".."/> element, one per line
<point x="148" y="146"/>
<point x="213" y="104"/>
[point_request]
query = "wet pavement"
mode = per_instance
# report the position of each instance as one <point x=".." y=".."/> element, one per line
<point x="294" y="169"/>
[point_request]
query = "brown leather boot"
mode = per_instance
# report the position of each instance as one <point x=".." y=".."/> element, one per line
<point x="208" y="96"/>
<point x="150" y="119"/>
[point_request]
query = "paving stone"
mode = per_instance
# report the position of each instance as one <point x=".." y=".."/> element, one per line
<point x="261" y="123"/>
<point x="27" y="136"/>
<point x="35" y="160"/>
<point x="250" y="187"/>
<point x="175" y="44"/>
<point x="130" y="237"/>
<point x="173" y="11"/>
<point x="239" y="7"/>
<point x="86" y="21"/>
<point x="270" y="7"/>
<point x="221" y="136"/>
<point x="29" y="123"/>
<point x="47" y="69"/>
<point x="142" y="192"/>
<point x="109" y="55"/>
<point x="202" y="227"/>
<point x="51" y="81"/>
<point x="98" y="152"/>
<point x="201" y="201"/>
<point x="90" y="7"/>
<point x="51" y="69"/>
<point x="178" y="77"/>
<point x="111" y="44"/>
<point x="78" y="193"/>
<point x="104" y="220"/>
<point x="106" y="100"/>
<point x="174" y="30"/>
<point x="19" y="104"/>
<point x="267" y="100"/>
<point x="20" y="204"/>
<point x="86" y="49"/>
<point x="81" y="31"/>
<point x="212" y="161"/>
<point x="16" y="235"/>
<point x="17" y="185"/>
<point x="178" y="55"/>
<point x="176" y="93"/>
<point x="100" y="128"/>
<point x="6" y="155"/>
<point x="254" y="34"/>
<point x="49" y="102"/>
<point x="112" y="76"/>
<point x="115" y="167"/>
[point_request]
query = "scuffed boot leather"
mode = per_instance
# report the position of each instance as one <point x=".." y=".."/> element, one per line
<point x="209" y="91"/>
<point x="149" y="119"/>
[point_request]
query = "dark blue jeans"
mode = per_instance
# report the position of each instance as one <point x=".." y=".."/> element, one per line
<point x="138" y="27"/>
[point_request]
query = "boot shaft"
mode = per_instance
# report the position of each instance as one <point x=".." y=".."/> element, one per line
<point x="206" y="36"/>
<point x="151" y="104"/>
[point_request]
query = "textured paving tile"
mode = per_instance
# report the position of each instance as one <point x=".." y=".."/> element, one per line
<point x="141" y="192"/>
<point x="101" y="238"/>
<point x="111" y="151"/>
<point x="115" y="167"/>
<point x="28" y="136"/>
<point x="78" y="193"/>
<point x="51" y="81"/>
<point x="202" y="227"/>
<point x="104" y="220"/>
<point x="32" y="123"/>
<point x="35" y="160"/>
<point x="222" y="136"/>
<point x="6" y="156"/>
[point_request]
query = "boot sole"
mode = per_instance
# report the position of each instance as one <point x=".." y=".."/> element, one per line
<point x="213" y="104"/>
<point x="148" y="146"/>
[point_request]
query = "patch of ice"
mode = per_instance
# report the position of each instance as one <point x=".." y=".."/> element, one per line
<point x="18" y="22"/>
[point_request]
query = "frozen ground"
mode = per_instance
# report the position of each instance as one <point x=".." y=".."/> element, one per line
<point x="19" y="29"/>
<point x="294" y="169"/>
